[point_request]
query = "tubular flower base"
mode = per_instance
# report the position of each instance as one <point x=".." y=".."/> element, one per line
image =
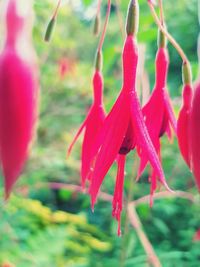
<point x="194" y="128"/>
<point x="123" y="129"/>
<point x="183" y="127"/>
<point x="92" y="124"/>
<point x="18" y="98"/>
<point x="158" y="112"/>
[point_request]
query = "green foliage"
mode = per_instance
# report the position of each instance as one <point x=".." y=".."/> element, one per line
<point x="56" y="228"/>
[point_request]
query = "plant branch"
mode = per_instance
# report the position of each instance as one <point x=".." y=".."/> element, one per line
<point x="119" y="17"/>
<point x="56" y="10"/>
<point x="136" y="223"/>
<point x="161" y="11"/>
<point x="169" y="36"/>
<point x="104" y="27"/>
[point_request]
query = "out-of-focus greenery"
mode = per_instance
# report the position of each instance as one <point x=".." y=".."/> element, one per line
<point x="40" y="226"/>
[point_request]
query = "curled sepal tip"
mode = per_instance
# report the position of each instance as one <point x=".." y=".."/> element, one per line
<point x="186" y="73"/>
<point x="132" y="21"/>
<point x="50" y="29"/>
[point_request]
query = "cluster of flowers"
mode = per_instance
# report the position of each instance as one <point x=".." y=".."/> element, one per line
<point x="107" y="138"/>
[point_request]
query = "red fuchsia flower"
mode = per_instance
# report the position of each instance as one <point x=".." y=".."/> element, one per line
<point x="96" y="116"/>
<point x="18" y="95"/>
<point x="124" y="127"/>
<point x="197" y="236"/>
<point x="92" y="124"/>
<point x="183" y="124"/>
<point x="66" y="66"/>
<point x="194" y="136"/>
<point x="158" y="112"/>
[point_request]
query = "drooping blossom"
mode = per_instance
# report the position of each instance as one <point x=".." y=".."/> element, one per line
<point x="96" y="115"/>
<point x="18" y="92"/>
<point x="92" y="124"/>
<point x="194" y="136"/>
<point x="158" y="112"/>
<point x="183" y="123"/>
<point x="124" y="127"/>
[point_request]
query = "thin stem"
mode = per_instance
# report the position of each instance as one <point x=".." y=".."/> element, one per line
<point x="161" y="11"/>
<point x="56" y="10"/>
<point x="169" y="37"/>
<point x="119" y="17"/>
<point x="98" y="7"/>
<point x="104" y="27"/>
<point x="136" y="223"/>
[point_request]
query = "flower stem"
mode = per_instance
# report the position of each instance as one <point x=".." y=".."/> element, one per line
<point x="104" y="27"/>
<point x="136" y="223"/>
<point x="120" y="18"/>
<point x="169" y="37"/>
<point x="98" y="7"/>
<point x="56" y="10"/>
<point x="161" y="11"/>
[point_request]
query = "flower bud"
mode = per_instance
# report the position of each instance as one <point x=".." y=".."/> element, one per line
<point x="97" y="23"/>
<point x="50" y="29"/>
<point x="186" y="73"/>
<point x="132" y="20"/>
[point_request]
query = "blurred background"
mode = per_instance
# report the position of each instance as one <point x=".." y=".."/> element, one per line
<point x="49" y="224"/>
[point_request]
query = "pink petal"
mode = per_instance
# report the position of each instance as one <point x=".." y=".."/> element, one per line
<point x="118" y="193"/>
<point x="170" y="111"/>
<point x="77" y="135"/>
<point x="111" y="135"/>
<point x="194" y="135"/>
<point x="183" y="124"/>
<point x="94" y="124"/>
<point x="18" y="91"/>
<point x="143" y="139"/>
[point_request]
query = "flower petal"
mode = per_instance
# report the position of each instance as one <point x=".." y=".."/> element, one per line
<point x="94" y="124"/>
<point x="195" y="135"/>
<point x="111" y="135"/>
<point x="143" y="139"/>
<point x="118" y="193"/>
<point x="183" y="124"/>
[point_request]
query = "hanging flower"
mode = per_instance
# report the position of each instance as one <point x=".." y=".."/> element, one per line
<point x="92" y="124"/>
<point x="158" y="112"/>
<point x="183" y="125"/>
<point x="194" y="136"/>
<point x="18" y="95"/>
<point x="124" y="127"/>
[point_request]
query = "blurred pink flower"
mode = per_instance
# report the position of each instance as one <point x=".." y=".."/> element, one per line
<point x="197" y="235"/>
<point x="194" y="135"/>
<point x="18" y="98"/>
